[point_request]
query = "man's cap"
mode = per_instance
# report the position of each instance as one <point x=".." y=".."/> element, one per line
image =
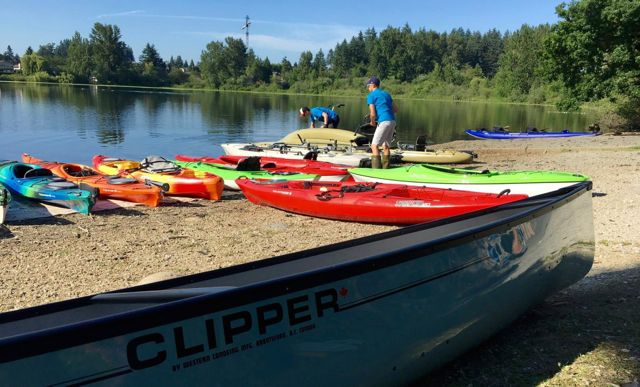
<point x="303" y="110"/>
<point x="373" y="80"/>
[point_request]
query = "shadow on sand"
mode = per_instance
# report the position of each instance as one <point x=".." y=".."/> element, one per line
<point x="599" y="314"/>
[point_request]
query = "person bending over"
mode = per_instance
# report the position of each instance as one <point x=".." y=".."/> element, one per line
<point x="325" y="115"/>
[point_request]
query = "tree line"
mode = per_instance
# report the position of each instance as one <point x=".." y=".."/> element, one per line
<point x="589" y="57"/>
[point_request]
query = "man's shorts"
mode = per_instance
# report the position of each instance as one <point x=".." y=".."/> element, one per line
<point x="384" y="133"/>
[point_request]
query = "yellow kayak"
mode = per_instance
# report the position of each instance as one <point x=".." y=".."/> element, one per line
<point x="321" y="137"/>
<point x="174" y="180"/>
<point x="431" y="156"/>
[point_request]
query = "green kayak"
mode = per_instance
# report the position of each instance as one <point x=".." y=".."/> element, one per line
<point x="230" y="174"/>
<point x="516" y="182"/>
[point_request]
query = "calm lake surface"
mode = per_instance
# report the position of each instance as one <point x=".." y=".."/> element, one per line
<point x="72" y="123"/>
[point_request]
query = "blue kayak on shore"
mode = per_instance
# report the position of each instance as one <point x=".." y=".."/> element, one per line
<point x="498" y="134"/>
<point x="34" y="182"/>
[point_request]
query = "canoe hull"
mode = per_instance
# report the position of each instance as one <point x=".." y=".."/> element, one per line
<point x="402" y="303"/>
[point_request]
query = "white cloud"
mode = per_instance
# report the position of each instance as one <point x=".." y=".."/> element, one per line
<point x="266" y="36"/>
<point x="293" y="38"/>
<point x="119" y="14"/>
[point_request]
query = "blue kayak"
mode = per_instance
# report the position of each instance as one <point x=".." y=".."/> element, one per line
<point x="35" y="182"/>
<point x="498" y="134"/>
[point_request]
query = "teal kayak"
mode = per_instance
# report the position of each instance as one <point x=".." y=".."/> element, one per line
<point x="230" y="174"/>
<point x="34" y="182"/>
<point x="516" y="182"/>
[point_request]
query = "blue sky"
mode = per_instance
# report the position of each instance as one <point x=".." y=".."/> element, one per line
<point x="278" y="29"/>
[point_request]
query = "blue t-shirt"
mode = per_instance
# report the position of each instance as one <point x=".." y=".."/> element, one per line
<point x="383" y="103"/>
<point x="316" y="114"/>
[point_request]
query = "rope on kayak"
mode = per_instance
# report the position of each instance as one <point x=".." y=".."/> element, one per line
<point x="327" y="195"/>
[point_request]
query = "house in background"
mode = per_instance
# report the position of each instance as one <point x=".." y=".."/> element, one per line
<point x="6" y="67"/>
<point x="17" y="68"/>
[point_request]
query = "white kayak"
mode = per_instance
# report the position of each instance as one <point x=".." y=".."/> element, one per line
<point x="293" y="152"/>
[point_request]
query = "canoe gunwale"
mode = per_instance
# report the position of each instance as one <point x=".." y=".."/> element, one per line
<point x="34" y="343"/>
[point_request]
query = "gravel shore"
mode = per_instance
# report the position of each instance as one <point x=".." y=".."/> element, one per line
<point x="62" y="257"/>
<point x="68" y="256"/>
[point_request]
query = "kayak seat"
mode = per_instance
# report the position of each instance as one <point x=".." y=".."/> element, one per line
<point x="61" y="185"/>
<point x="311" y="155"/>
<point x="158" y="164"/>
<point x="269" y="165"/>
<point x="121" y="180"/>
<point x="29" y="173"/>
<point x="78" y="171"/>
<point x="252" y="148"/>
<point x="421" y="143"/>
<point x="251" y="163"/>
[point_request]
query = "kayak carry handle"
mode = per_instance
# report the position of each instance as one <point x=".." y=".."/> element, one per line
<point x="504" y="192"/>
<point x="164" y="186"/>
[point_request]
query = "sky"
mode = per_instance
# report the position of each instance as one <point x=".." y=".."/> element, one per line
<point x="278" y="29"/>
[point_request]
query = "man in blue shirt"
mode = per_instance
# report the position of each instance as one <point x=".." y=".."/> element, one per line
<point x="382" y="115"/>
<point x="326" y="115"/>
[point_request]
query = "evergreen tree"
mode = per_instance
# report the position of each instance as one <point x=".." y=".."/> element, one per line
<point x="319" y="64"/>
<point x="492" y="46"/>
<point x="305" y="65"/>
<point x="46" y="50"/>
<point x="8" y="55"/>
<point x="150" y="55"/>
<point x="180" y="62"/>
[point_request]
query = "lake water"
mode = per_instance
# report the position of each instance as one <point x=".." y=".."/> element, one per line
<point x="72" y="123"/>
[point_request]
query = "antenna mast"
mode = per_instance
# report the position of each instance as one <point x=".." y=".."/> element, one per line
<point x="247" y="23"/>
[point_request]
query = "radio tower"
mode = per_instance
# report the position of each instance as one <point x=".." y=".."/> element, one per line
<point x="247" y="23"/>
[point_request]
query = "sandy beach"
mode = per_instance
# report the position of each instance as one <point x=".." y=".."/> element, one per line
<point x="62" y="257"/>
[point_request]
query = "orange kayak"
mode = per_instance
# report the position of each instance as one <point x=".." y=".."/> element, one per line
<point x="161" y="172"/>
<point x="109" y="187"/>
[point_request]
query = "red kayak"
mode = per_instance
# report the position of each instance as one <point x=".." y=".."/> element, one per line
<point x="327" y="171"/>
<point x="370" y="202"/>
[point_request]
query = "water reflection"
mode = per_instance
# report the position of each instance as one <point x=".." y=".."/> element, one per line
<point x="72" y="123"/>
